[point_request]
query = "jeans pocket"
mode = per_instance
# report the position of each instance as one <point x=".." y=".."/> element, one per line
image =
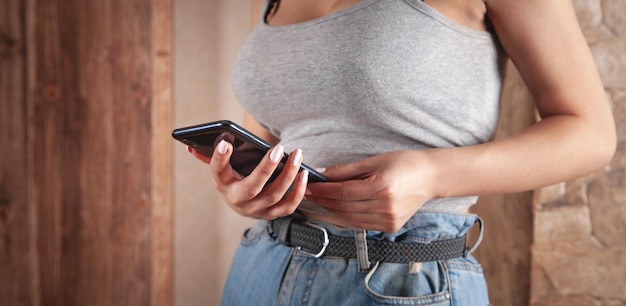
<point x="467" y="282"/>
<point x="408" y="284"/>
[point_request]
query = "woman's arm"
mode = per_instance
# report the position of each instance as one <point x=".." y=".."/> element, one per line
<point x="576" y="134"/>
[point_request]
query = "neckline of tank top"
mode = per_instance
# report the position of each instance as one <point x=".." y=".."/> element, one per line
<point x="417" y="4"/>
<point x="346" y="11"/>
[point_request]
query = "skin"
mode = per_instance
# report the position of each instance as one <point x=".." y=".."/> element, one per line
<point x="575" y="136"/>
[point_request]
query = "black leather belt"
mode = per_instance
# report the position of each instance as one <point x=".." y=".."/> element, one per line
<point x="316" y="241"/>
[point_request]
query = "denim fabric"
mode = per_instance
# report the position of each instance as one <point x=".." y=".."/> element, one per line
<point x="265" y="272"/>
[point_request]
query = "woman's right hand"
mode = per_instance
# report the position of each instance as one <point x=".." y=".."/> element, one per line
<point x="253" y="196"/>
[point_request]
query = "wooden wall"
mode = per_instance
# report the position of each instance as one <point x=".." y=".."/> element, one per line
<point x="17" y="274"/>
<point x="85" y="167"/>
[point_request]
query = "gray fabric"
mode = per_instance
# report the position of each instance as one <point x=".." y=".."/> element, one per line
<point x="380" y="76"/>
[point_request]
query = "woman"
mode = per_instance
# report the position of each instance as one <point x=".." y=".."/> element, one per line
<point x="396" y="102"/>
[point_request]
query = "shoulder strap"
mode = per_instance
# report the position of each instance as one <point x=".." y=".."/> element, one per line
<point x="271" y="8"/>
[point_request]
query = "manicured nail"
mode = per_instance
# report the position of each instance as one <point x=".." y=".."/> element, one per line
<point x="277" y="153"/>
<point x="189" y="149"/>
<point x="222" y="146"/>
<point x="305" y="176"/>
<point x="297" y="155"/>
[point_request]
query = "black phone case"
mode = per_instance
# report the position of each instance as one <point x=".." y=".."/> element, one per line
<point x="248" y="148"/>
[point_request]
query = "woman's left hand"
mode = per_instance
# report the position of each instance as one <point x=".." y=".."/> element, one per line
<point x="377" y="193"/>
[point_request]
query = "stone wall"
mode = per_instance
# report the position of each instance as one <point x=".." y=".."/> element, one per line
<point x="505" y="250"/>
<point x="579" y="246"/>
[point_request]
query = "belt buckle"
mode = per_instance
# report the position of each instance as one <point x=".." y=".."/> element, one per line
<point x="324" y="244"/>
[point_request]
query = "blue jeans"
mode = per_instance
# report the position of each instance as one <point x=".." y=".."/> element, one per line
<point x="266" y="272"/>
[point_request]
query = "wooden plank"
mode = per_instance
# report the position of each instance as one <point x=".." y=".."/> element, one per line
<point x="92" y="143"/>
<point x="55" y="144"/>
<point x="131" y="104"/>
<point x="16" y="226"/>
<point x="162" y="156"/>
<point x="84" y="39"/>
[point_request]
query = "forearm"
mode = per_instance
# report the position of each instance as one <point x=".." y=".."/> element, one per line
<point x="556" y="149"/>
<point x="576" y="134"/>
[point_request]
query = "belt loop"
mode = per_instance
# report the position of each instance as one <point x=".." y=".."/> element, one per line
<point x="360" y="238"/>
<point x="479" y="220"/>
<point x="269" y="228"/>
<point x="283" y="225"/>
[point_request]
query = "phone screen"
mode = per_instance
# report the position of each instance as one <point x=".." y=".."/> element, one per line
<point x="248" y="149"/>
<point x="246" y="156"/>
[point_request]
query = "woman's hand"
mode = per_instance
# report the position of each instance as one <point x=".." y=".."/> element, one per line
<point x="377" y="193"/>
<point x="253" y="196"/>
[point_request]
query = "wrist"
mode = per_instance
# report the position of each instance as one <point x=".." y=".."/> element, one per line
<point x="427" y="173"/>
<point x="438" y="173"/>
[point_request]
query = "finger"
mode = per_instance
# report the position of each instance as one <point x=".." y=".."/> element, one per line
<point x="253" y="184"/>
<point x="286" y="178"/>
<point x="379" y="209"/>
<point x="293" y="199"/>
<point x="367" y="206"/>
<point x="351" y="191"/>
<point x="199" y="155"/>
<point x="379" y="227"/>
<point x="275" y="191"/>
<point x="350" y="171"/>
<point x="385" y="222"/>
<point x="254" y="196"/>
<point x="375" y="222"/>
<point x="220" y="166"/>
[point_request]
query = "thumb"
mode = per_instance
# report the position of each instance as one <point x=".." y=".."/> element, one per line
<point x="349" y="171"/>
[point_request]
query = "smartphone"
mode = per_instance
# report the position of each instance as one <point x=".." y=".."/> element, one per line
<point x="248" y="149"/>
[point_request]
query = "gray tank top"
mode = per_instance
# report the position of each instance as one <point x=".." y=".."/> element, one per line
<point x="379" y="76"/>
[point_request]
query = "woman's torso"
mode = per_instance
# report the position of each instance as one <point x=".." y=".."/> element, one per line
<point x="374" y="77"/>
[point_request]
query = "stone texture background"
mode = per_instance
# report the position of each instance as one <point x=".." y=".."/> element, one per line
<point x="578" y="256"/>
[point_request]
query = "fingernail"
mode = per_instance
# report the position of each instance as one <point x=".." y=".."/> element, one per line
<point x="305" y="176"/>
<point x="277" y="153"/>
<point x="297" y="155"/>
<point x="222" y="146"/>
<point x="320" y="170"/>
<point x="189" y="149"/>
